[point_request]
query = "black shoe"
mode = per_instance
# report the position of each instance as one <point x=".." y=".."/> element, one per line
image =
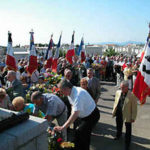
<point x="127" y="148"/>
<point x="116" y="138"/>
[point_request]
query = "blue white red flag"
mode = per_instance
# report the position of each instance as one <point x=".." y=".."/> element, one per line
<point x="32" y="64"/>
<point x="81" y="51"/>
<point x="49" y="55"/>
<point x="71" y="51"/>
<point x="56" y="56"/>
<point x="10" y="59"/>
<point x="141" y="87"/>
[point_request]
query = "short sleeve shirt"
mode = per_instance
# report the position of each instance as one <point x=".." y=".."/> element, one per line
<point x="81" y="101"/>
<point x="52" y="105"/>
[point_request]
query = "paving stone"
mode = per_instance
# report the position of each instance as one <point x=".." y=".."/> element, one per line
<point x="105" y="130"/>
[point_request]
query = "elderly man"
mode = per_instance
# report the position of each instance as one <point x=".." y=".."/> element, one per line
<point x="68" y="74"/>
<point x="83" y="107"/>
<point x="52" y="106"/>
<point x="125" y="109"/>
<point x="93" y="85"/>
<point x="16" y="87"/>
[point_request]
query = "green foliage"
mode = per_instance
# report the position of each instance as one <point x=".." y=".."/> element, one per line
<point x="110" y="52"/>
<point x="62" y="53"/>
<point x="49" y="86"/>
<point x="55" y="142"/>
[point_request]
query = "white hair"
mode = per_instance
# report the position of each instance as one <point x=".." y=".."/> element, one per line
<point x="12" y="73"/>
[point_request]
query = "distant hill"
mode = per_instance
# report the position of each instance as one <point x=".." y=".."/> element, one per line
<point x="103" y="43"/>
<point x="119" y="43"/>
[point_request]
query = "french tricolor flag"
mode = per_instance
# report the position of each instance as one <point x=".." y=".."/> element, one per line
<point x="49" y="55"/>
<point x="56" y="56"/>
<point x="10" y="59"/>
<point x="32" y="64"/>
<point x="71" y="51"/>
<point x="81" y="51"/>
<point x="142" y="53"/>
<point x="141" y="87"/>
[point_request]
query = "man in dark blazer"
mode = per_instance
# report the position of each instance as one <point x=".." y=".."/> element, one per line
<point x="16" y="87"/>
<point x="93" y="85"/>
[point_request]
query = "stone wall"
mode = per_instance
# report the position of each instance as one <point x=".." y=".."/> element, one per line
<point x="29" y="135"/>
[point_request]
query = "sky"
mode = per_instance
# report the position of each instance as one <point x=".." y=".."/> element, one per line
<point x="96" y="20"/>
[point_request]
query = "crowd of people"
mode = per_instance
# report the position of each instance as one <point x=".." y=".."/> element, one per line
<point x="81" y="83"/>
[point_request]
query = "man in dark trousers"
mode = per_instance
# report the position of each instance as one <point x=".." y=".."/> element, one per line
<point x="125" y="109"/>
<point x="84" y="107"/>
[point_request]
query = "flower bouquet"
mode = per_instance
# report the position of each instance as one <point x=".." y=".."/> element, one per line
<point x="50" y="86"/>
<point x="56" y="142"/>
<point x="52" y="78"/>
<point x="67" y="146"/>
<point x="96" y="66"/>
<point x="36" y="87"/>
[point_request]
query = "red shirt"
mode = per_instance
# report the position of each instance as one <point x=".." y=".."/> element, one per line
<point x="124" y="66"/>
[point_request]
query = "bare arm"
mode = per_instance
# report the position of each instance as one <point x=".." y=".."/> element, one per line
<point x="71" y="119"/>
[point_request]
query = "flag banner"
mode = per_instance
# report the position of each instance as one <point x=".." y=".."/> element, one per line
<point x="71" y="51"/>
<point x="49" y="56"/>
<point x="56" y="56"/>
<point x="141" y="87"/>
<point x="142" y="55"/>
<point x="81" y="51"/>
<point x="10" y="59"/>
<point x="32" y="64"/>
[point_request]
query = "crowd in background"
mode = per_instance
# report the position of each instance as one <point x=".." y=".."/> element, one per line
<point x="103" y="68"/>
<point x="88" y="75"/>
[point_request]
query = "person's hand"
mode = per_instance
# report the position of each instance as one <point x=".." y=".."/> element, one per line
<point x="51" y="132"/>
<point x="58" y="128"/>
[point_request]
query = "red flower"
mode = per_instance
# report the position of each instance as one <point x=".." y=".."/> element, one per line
<point x="59" y="140"/>
<point x="55" y="89"/>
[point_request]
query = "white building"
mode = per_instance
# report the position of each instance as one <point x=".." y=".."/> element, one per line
<point x="131" y="49"/>
<point x="20" y="52"/>
<point x="94" y="49"/>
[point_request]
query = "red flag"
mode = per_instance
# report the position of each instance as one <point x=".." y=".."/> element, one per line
<point x="83" y="57"/>
<point x="10" y="59"/>
<point x="71" y="50"/>
<point x="56" y="56"/>
<point x="142" y="55"/>
<point x="142" y="83"/>
<point x="49" y="57"/>
<point x="32" y="64"/>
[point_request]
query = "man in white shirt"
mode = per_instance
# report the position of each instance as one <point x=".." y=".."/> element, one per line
<point x="84" y="107"/>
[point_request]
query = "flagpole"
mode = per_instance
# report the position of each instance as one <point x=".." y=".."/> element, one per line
<point x="52" y="35"/>
<point x="31" y="32"/>
<point x="147" y="40"/>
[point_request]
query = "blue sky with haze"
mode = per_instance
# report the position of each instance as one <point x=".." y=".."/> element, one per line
<point x="97" y="20"/>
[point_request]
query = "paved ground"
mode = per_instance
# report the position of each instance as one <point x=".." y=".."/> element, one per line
<point x="104" y="132"/>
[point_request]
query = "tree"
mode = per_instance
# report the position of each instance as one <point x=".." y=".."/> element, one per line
<point x="62" y="53"/>
<point x="110" y="52"/>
